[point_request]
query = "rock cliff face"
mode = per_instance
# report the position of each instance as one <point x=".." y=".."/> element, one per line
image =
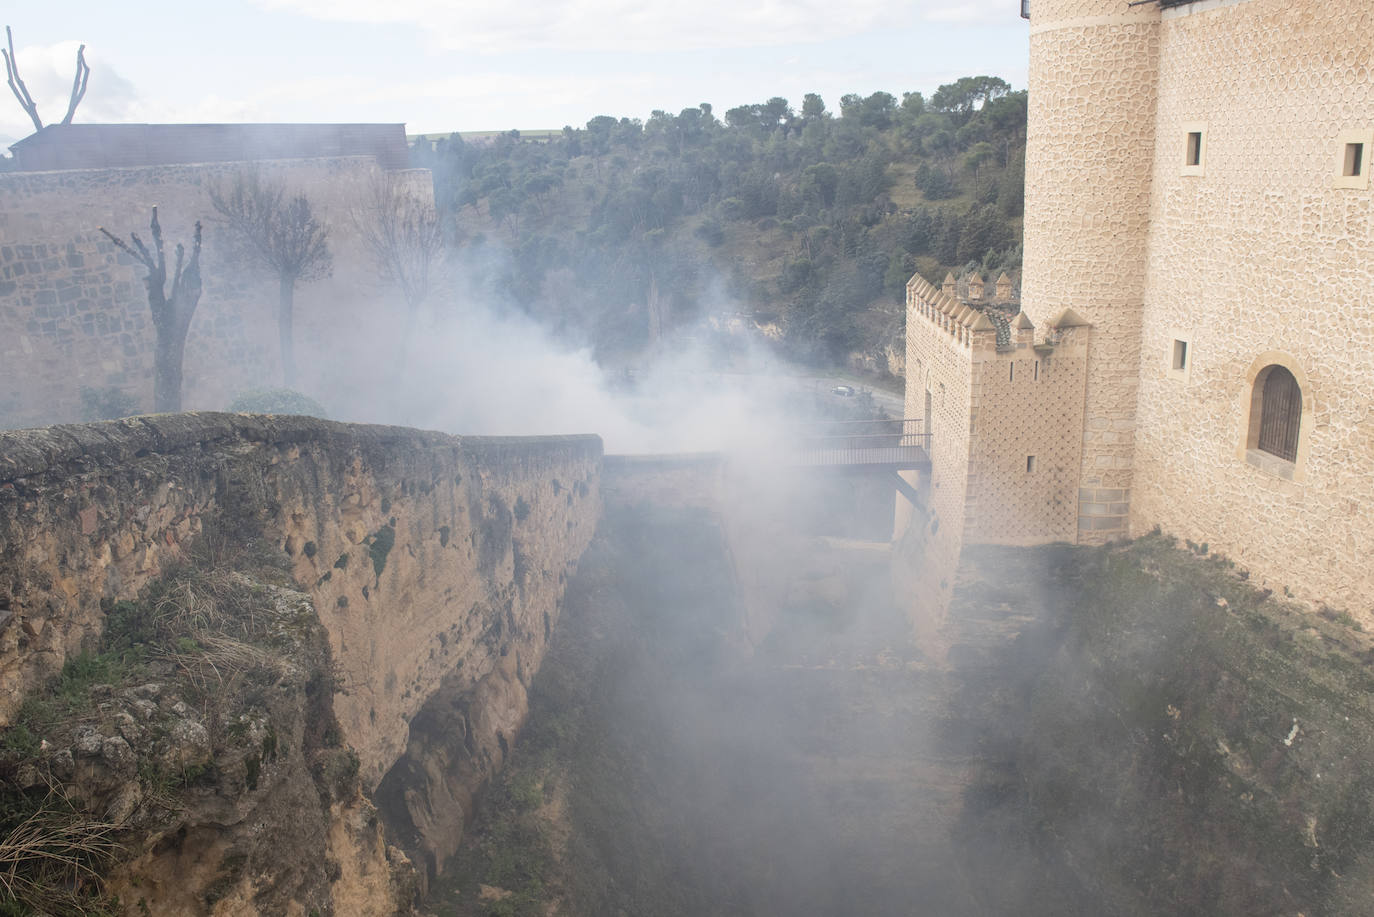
<point x="433" y="567"/>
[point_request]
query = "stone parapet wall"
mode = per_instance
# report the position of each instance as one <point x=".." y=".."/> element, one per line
<point x="431" y="559"/>
<point x="74" y="310"/>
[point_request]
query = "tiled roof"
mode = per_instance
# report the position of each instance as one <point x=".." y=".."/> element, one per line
<point x="107" y="146"/>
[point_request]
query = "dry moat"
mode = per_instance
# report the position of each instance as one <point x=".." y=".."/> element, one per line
<point x="271" y="666"/>
<point x="1127" y="730"/>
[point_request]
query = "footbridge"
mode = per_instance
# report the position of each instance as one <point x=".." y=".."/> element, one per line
<point x="882" y="447"/>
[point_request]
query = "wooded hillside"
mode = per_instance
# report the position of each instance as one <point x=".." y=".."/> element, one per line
<point x="807" y="222"/>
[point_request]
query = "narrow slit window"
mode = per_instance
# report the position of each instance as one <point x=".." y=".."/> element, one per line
<point x="1030" y="464"/>
<point x="1011" y="372"/>
<point x="1180" y="358"/>
<point x="1036" y="376"/>
<point x="1193" y="156"/>
<point x="1353" y="148"/>
<point x="1354" y="160"/>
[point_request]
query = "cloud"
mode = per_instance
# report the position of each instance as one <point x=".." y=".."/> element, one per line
<point x="971" y="12"/>
<point x="633" y="25"/>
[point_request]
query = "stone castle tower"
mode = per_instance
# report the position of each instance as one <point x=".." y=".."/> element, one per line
<point x="1090" y="145"/>
<point x="1194" y="350"/>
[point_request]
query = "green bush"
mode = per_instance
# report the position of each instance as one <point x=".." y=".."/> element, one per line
<point x="277" y="401"/>
<point x="107" y="403"/>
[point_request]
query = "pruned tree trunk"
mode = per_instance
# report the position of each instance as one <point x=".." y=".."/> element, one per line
<point x="167" y="372"/>
<point x="172" y="313"/>
<point x="284" y="317"/>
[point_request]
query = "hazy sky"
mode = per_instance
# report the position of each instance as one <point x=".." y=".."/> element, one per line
<point x="442" y="65"/>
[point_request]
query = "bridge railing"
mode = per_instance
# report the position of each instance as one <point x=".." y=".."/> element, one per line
<point x="863" y="442"/>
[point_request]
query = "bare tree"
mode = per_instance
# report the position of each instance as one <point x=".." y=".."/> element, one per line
<point x="402" y="232"/>
<point x="21" y="91"/>
<point x="171" y="313"/>
<point x="280" y="233"/>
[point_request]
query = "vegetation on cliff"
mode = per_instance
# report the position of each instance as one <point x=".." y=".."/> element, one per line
<point x="189" y="729"/>
<point x="1171" y="739"/>
<point x="811" y="221"/>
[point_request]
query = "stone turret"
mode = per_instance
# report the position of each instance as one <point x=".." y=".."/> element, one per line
<point x="975" y="287"/>
<point x="1004" y="288"/>
<point x="1089" y="161"/>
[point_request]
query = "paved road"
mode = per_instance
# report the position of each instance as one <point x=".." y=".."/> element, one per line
<point x="889" y="401"/>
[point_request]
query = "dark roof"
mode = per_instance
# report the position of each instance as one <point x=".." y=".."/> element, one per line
<point x="107" y="146"/>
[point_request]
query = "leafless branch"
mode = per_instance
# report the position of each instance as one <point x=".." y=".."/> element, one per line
<point x="403" y="233"/>
<point x="157" y="243"/>
<point x="141" y="256"/>
<point x="21" y="92"/>
<point x="83" y="73"/>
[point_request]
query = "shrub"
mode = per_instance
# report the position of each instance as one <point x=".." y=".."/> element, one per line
<point x="107" y="403"/>
<point x="277" y="401"/>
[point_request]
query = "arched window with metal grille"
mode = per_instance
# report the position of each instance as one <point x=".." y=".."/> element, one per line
<point x="1280" y="412"/>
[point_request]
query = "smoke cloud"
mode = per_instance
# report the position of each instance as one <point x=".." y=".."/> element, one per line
<point x="477" y="366"/>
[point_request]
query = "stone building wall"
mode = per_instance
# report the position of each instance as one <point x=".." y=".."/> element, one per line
<point x="1262" y="259"/>
<point x="74" y="310"/>
<point x="939" y="391"/>
<point x="939" y="363"/>
<point x="1093" y="69"/>
<point x="1023" y="477"/>
<point x="1003" y="472"/>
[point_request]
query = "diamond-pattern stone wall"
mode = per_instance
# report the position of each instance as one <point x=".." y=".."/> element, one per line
<point x="1024" y="469"/>
<point x="1093" y="68"/>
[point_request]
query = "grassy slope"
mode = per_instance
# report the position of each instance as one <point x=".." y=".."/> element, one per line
<point x="1181" y="742"/>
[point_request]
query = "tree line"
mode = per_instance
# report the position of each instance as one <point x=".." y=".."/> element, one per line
<point x="810" y="219"/>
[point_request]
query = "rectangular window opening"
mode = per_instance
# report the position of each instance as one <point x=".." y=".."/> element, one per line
<point x="1180" y="358"/>
<point x="1193" y="157"/>
<point x="1030" y="464"/>
<point x="1354" y="160"/>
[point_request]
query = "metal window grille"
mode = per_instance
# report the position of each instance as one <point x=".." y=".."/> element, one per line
<point x="1280" y="414"/>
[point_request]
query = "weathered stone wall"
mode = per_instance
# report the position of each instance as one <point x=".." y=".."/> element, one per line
<point x="1093" y="70"/>
<point x="939" y="365"/>
<point x="74" y="310"/>
<point x="429" y="558"/>
<point x="1263" y="259"/>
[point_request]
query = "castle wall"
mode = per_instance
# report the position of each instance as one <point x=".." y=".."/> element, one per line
<point x="74" y="310"/>
<point x="1258" y="259"/>
<point x="1023" y="471"/>
<point x="939" y="361"/>
<point x="1093" y="66"/>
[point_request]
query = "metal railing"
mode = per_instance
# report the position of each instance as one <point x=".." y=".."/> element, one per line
<point x="863" y="442"/>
